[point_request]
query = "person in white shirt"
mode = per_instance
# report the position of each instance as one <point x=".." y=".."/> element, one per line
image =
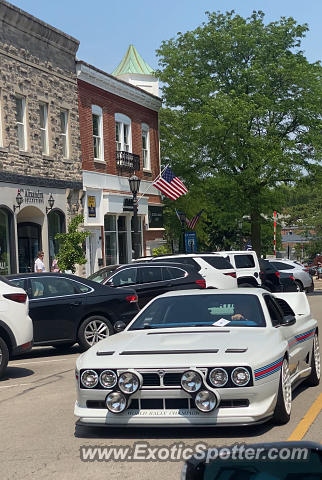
<point x="39" y="264"/>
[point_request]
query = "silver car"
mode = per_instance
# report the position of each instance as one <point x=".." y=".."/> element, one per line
<point x="302" y="278"/>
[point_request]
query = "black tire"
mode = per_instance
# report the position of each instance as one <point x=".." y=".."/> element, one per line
<point x="314" y="378"/>
<point x="88" y="326"/>
<point x="281" y="415"/>
<point x="299" y="286"/>
<point x="64" y="346"/>
<point x="4" y="356"/>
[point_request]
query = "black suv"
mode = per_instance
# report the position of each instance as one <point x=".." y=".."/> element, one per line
<point x="275" y="281"/>
<point x="149" y="280"/>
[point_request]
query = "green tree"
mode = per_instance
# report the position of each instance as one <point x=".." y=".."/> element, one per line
<point x="242" y="114"/>
<point x="71" y="245"/>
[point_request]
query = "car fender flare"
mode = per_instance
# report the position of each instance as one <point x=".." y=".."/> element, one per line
<point x="8" y="334"/>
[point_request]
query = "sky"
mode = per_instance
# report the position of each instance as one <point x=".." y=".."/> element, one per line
<point x="106" y="28"/>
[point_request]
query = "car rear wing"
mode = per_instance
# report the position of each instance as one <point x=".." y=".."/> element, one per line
<point x="297" y="301"/>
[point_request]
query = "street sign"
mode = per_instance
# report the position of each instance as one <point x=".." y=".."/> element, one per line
<point x="190" y="240"/>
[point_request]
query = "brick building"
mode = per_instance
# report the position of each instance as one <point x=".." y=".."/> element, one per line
<point x="40" y="162"/>
<point x="119" y="137"/>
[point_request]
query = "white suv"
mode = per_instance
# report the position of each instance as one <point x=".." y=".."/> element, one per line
<point x="16" y="331"/>
<point x="216" y="270"/>
<point x="246" y="264"/>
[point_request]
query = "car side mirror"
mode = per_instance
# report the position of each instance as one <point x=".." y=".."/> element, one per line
<point x="288" y="320"/>
<point x="119" y="326"/>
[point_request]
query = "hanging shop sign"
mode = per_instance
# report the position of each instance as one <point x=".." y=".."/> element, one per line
<point x="155" y="217"/>
<point x="91" y="204"/>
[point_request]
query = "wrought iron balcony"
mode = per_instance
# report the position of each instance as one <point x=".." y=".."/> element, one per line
<point x="127" y="161"/>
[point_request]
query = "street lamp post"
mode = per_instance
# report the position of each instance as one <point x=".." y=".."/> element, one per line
<point x="182" y="218"/>
<point x="134" y="182"/>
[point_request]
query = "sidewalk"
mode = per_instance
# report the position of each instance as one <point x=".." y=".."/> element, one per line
<point x="317" y="283"/>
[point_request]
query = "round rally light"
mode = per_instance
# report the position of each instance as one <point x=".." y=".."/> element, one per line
<point x="218" y="377"/>
<point x="108" y="379"/>
<point x="240" y="376"/>
<point x="129" y="382"/>
<point x="116" y="402"/>
<point x="89" y="379"/>
<point x="191" y="381"/>
<point x="206" y="401"/>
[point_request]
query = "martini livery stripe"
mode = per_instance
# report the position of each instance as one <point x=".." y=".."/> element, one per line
<point x="301" y="337"/>
<point x="268" y="369"/>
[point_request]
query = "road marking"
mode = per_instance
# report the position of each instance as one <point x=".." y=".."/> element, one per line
<point x="41" y="361"/>
<point x="17" y="385"/>
<point x="307" y="420"/>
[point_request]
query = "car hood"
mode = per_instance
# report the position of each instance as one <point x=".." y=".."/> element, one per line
<point x="173" y="348"/>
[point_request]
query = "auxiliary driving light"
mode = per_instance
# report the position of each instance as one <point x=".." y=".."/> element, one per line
<point x="191" y="381"/>
<point x="89" y="379"/>
<point x="108" y="379"/>
<point x="116" y="402"/>
<point x="240" y="376"/>
<point x="206" y="401"/>
<point x="218" y="377"/>
<point x="128" y="382"/>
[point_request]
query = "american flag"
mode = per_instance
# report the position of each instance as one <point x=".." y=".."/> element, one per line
<point x="193" y="222"/>
<point x="170" y="185"/>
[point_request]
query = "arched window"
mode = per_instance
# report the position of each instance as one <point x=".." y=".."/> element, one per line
<point x="146" y="147"/>
<point x="6" y="242"/>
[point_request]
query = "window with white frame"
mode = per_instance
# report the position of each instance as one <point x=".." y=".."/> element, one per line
<point x="97" y="118"/>
<point x="43" y="109"/>
<point x="123" y="133"/>
<point x="146" y="147"/>
<point x="64" y="132"/>
<point x="21" y="123"/>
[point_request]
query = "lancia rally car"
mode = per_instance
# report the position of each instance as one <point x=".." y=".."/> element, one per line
<point x="193" y="358"/>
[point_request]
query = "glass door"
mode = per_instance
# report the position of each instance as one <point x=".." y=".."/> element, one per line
<point x="29" y="243"/>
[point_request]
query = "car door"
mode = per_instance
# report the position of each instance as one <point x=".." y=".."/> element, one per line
<point x="150" y="284"/>
<point x="55" y="306"/>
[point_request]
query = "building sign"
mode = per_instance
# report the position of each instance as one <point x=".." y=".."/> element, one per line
<point x="128" y="205"/>
<point x="155" y="217"/>
<point x="31" y="196"/>
<point x="190" y="240"/>
<point x="91" y="204"/>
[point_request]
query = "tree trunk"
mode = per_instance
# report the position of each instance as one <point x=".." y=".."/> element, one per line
<point x="255" y="219"/>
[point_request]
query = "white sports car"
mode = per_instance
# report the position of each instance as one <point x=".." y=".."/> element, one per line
<point x="193" y="358"/>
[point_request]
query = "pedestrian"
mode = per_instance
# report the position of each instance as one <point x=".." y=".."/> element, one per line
<point x="39" y="263"/>
<point x="54" y="266"/>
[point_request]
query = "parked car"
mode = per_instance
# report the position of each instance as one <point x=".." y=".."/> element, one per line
<point x="275" y="281"/>
<point x="66" y="309"/>
<point x="303" y="279"/>
<point x="215" y="269"/>
<point x="207" y="357"/>
<point x="15" y="324"/>
<point x="246" y="265"/>
<point x="149" y="281"/>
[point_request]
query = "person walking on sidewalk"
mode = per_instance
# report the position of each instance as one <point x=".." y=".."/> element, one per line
<point x="39" y="263"/>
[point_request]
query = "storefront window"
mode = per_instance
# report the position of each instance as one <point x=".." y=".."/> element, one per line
<point x="56" y="224"/>
<point x="4" y="244"/>
<point x="140" y="230"/>
<point x="110" y="239"/>
<point x="122" y="239"/>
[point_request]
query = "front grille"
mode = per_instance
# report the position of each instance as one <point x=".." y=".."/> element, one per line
<point x="172" y="379"/>
<point x="168" y="404"/>
<point x="151" y="380"/>
<point x="233" y="403"/>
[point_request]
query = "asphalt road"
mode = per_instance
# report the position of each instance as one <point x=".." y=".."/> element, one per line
<point x="39" y="439"/>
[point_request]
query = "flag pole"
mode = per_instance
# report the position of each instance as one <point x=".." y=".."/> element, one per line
<point x="150" y="186"/>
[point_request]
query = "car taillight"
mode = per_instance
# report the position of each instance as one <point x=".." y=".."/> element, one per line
<point x="277" y="274"/>
<point x="16" y="297"/>
<point x="292" y="278"/>
<point x="201" y="283"/>
<point x="231" y="274"/>
<point x="131" y="298"/>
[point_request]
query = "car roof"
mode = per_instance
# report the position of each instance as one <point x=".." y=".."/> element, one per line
<point x="160" y="264"/>
<point x="183" y="255"/>
<point x="76" y="278"/>
<point x="233" y="291"/>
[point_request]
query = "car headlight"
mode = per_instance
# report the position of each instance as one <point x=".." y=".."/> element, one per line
<point x="128" y="382"/>
<point x="205" y="401"/>
<point x="218" y="377"/>
<point x="191" y="381"/>
<point x="240" y="376"/>
<point x="108" y="379"/>
<point x="116" y="402"/>
<point x="89" y="378"/>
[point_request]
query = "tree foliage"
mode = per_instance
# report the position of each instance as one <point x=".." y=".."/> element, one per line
<point x="242" y="114"/>
<point x="71" y="245"/>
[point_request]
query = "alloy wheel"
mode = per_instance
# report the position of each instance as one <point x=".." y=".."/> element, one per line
<point x="95" y="331"/>
<point x="286" y="387"/>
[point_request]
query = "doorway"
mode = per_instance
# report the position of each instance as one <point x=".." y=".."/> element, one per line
<point x="29" y="243"/>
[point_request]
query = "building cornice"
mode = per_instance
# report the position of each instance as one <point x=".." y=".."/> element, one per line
<point x="39" y="181"/>
<point x="107" y="82"/>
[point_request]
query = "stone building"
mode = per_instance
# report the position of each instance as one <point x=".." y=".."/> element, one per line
<point x="40" y="158"/>
<point x="119" y="128"/>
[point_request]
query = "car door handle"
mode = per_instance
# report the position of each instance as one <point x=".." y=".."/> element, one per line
<point x="75" y="304"/>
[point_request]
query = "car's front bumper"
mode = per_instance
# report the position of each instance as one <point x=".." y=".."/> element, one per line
<point x="262" y="401"/>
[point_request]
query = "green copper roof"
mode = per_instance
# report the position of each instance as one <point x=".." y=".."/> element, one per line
<point x="133" y="63"/>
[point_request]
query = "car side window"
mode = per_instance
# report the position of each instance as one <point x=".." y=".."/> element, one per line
<point x="150" y="274"/>
<point x="244" y="261"/>
<point x="52" y="287"/>
<point x="220" y="263"/>
<point x="170" y="273"/>
<point x="273" y="310"/>
<point x="18" y="282"/>
<point x="283" y="266"/>
<point x="80" y="287"/>
<point x="189" y="261"/>
<point x="127" y="276"/>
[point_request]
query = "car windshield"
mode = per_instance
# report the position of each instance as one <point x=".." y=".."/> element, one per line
<point x="216" y="310"/>
<point x="102" y="274"/>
